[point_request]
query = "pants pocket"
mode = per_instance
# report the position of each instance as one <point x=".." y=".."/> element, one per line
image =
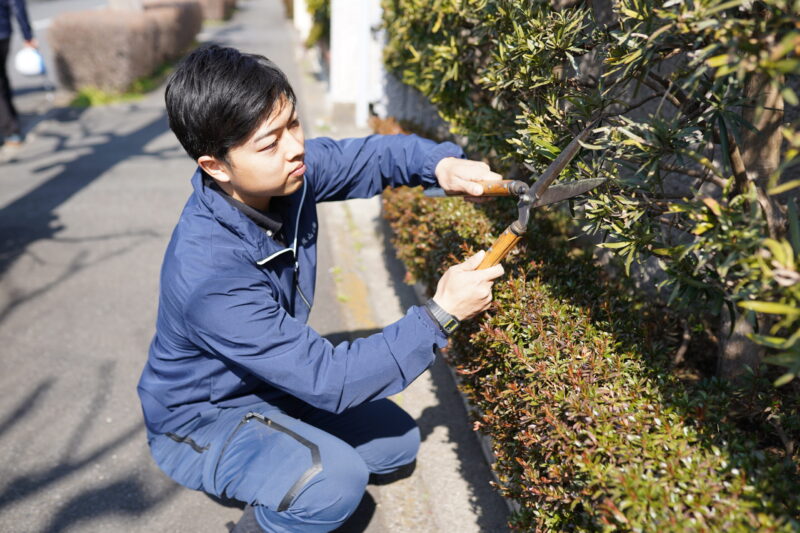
<point x="265" y="462"/>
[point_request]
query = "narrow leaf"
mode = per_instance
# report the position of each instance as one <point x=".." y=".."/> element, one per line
<point x="770" y="308"/>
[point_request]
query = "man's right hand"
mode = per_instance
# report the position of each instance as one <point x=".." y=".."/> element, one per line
<point x="464" y="291"/>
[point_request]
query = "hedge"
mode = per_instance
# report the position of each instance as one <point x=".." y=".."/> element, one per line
<point x="699" y="135"/>
<point x="108" y="50"/>
<point x="573" y="378"/>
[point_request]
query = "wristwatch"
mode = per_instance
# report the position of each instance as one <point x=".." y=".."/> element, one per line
<point x="446" y="321"/>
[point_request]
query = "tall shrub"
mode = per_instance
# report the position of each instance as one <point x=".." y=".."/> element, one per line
<point x="694" y="135"/>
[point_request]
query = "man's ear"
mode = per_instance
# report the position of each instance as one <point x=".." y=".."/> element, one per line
<point x="215" y="168"/>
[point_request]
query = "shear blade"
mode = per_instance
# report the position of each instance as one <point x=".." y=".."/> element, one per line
<point x="563" y="191"/>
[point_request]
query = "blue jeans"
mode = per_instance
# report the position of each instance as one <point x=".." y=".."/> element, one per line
<point x="304" y="469"/>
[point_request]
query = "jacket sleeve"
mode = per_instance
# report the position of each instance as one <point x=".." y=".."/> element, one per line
<point x="362" y="168"/>
<point x="21" y="13"/>
<point x="239" y="321"/>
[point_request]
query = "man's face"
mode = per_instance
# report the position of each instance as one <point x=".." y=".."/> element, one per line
<point x="269" y="163"/>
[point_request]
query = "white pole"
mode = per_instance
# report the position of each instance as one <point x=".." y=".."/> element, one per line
<point x="302" y="19"/>
<point x="362" y="63"/>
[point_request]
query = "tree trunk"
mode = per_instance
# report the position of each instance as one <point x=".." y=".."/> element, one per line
<point x="762" y="148"/>
<point x="761" y="154"/>
<point x="736" y="351"/>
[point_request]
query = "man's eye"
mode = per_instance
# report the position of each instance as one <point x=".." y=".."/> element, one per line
<point x="270" y="147"/>
<point x="294" y="123"/>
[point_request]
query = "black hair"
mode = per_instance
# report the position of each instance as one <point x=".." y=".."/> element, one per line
<point x="218" y="96"/>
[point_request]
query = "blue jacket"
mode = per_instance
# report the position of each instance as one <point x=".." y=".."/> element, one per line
<point x="231" y="327"/>
<point x="22" y="18"/>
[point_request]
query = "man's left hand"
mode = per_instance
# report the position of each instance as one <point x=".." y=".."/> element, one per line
<point x="459" y="176"/>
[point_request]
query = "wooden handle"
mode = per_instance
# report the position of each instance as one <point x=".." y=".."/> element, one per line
<point x="497" y="188"/>
<point x="504" y="244"/>
<point x="492" y="188"/>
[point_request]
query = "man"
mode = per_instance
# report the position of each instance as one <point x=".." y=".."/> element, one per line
<point x="241" y="398"/>
<point x="10" y="131"/>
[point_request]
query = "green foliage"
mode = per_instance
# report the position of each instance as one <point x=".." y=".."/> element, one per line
<point x="570" y="371"/>
<point x="779" y="266"/>
<point x="681" y="87"/>
<point x="320" y="32"/>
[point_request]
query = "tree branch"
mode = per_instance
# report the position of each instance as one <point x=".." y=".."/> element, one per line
<point x="636" y="105"/>
<point x="657" y="88"/>
<point x="739" y="170"/>
<point x="694" y="173"/>
<point x="678" y="358"/>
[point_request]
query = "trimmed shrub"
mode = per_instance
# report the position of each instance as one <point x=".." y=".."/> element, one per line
<point x="178" y="23"/>
<point x="574" y="380"/>
<point x="109" y="50"/>
<point x="103" y="49"/>
<point x="218" y="9"/>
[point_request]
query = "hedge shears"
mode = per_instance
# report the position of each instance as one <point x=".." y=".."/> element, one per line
<point x="539" y="193"/>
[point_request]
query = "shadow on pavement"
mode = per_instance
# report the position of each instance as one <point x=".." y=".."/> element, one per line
<point x="26" y="406"/>
<point x="77" y="265"/>
<point x="473" y="468"/>
<point x="361" y="517"/>
<point x="33" y="216"/>
<point x="31" y="482"/>
<point x="121" y="497"/>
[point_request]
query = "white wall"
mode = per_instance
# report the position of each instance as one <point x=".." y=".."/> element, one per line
<point x="356" y="69"/>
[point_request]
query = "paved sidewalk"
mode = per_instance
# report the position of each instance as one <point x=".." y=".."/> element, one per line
<point x="86" y="209"/>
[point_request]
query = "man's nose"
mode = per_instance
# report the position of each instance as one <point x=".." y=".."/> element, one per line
<point x="296" y="146"/>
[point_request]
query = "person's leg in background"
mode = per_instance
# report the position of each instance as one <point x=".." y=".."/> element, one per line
<point x="9" y="121"/>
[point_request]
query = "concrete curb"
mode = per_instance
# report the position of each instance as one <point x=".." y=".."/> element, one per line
<point x="484" y="441"/>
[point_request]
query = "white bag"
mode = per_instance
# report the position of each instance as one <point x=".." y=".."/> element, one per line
<point x="29" y="62"/>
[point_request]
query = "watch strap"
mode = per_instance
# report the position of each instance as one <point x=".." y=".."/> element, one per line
<point x="446" y="321"/>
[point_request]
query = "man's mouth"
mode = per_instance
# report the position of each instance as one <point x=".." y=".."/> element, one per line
<point x="299" y="171"/>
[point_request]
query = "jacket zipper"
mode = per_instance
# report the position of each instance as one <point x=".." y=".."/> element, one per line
<point x="297" y="283"/>
<point x="293" y="249"/>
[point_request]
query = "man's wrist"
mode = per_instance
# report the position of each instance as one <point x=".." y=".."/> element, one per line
<point x="447" y="322"/>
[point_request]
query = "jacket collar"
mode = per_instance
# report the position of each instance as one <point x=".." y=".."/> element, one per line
<point x="261" y="248"/>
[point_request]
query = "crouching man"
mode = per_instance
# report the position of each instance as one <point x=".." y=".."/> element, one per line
<point x="241" y="398"/>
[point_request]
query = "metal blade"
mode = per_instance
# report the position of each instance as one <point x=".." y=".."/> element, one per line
<point x="435" y="192"/>
<point x="562" y="191"/>
<point x="560" y="163"/>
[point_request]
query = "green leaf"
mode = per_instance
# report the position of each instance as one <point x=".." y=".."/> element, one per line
<point x="794" y="225"/>
<point x="771" y="308"/>
<point x="777" y="250"/>
<point x="778" y="343"/>
<point x="718" y="61"/>
<point x="784" y="379"/>
<point x="783" y="187"/>
<point x="615" y="245"/>
<point x="785" y="359"/>
<point x="790" y="96"/>
<point x="723" y="7"/>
